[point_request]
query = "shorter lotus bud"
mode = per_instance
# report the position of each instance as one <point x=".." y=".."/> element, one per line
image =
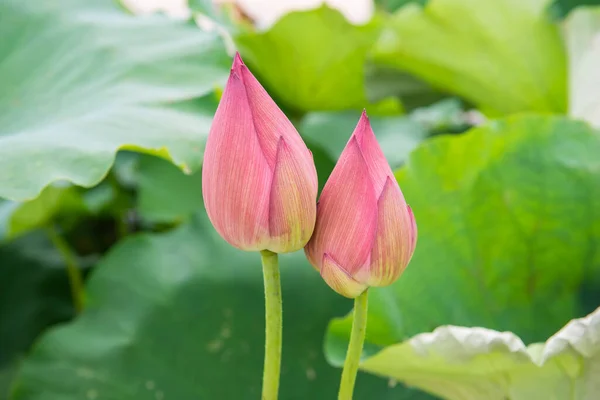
<point x="259" y="181"/>
<point x="365" y="233"/>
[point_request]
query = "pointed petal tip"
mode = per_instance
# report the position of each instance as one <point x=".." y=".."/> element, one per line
<point x="353" y="151"/>
<point x="281" y="143"/>
<point x="237" y="59"/>
<point x="386" y="186"/>
<point x="280" y="147"/>
<point x="363" y="128"/>
<point x="364" y="120"/>
<point x="237" y="65"/>
<point x="292" y="207"/>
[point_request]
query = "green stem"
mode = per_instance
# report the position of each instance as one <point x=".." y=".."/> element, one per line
<point x="73" y="270"/>
<point x="273" y="325"/>
<point x="357" y="339"/>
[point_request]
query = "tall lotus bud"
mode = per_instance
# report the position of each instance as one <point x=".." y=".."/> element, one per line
<point x="365" y="233"/>
<point x="259" y="181"/>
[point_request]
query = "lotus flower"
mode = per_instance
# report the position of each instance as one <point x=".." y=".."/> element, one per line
<point x="365" y="233"/>
<point x="259" y="181"/>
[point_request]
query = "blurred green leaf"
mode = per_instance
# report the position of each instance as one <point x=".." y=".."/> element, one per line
<point x="446" y="116"/>
<point x="54" y="201"/>
<point x="504" y="56"/>
<point x="324" y="161"/>
<point x="34" y="294"/>
<point x="6" y="376"/>
<point x="125" y="168"/>
<point x="393" y="5"/>
<point x="180" y="315"/>
<point x="165" y="194"/>
<point x="507" y="234"/>
<point x="7" y="208"/>
<point x="382" y="82"/>
<point x="80" y="82"/>
<point x="398" y="135"/>
<point x="99" y="198"/>
<point x="211" y="9"/>
<point x="582" y="35"/>
<point x="312" y="60"/>
<point x="63" y="204"/>
<point x="206" y="7"/>
<point x="561" y="8"/>
<point x="460" y="363"/>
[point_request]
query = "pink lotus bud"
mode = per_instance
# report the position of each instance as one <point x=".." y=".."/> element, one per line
<point x="365" y="233"/>
<point x="259" y="181"/>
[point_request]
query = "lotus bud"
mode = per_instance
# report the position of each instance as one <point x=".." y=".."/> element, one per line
<point x="259" y="180"/>
<point x="365" y="233"/>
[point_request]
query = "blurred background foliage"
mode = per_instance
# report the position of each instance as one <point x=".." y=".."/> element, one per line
<point x="487" y="109"/>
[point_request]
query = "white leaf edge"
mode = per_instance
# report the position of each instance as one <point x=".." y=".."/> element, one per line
<point x="581" y="32"/>
<point x="460" y="363"/>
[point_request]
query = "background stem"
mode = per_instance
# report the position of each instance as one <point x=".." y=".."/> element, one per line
<point x="273" y="319"/>
<point x="73" y="270"/>
<point x="357" y="338"/>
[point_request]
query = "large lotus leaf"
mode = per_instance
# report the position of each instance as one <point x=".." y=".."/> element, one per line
<point x="80" y="81"/>
<point x="508" y="232"/>
<point x="582" y="34"/>
<point x="460" y="363"/>
<point x="180" y="315"/>
<point x="505" y="56"/>
<point x="312" y="60"/>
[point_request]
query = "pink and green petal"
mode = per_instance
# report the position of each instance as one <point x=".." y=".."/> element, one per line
<point x="379" y="169"/>
<point x="394" y="240"/>
<point x="346" y="213"/>
<point x="339" y="279"/>
<point x="292" y="210"/>
<point x="270" y="123"/>
<point x="236" y="177"/>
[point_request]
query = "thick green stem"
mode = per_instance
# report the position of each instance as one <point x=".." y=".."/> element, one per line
<point x="273" y="325"/>
<point x="73" y="270"/>
<point x="357" y="339"/>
